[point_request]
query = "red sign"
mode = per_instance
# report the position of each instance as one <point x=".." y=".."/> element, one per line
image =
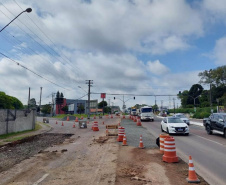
<point x="103" y="95"/>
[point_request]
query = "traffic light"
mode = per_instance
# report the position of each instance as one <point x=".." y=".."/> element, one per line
<point x="134" y="98"/>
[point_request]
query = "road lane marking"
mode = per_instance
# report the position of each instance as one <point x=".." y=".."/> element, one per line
<point x="41" y="179"/>
<point x="208" y="139"/>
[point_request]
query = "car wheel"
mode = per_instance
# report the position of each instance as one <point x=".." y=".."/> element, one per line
<point x="167" y="130"/>
<point x="162" y="129"/>
<point x="225" y="133"/>
<point x="208" y="130"/>
<point x="187" y="134"/>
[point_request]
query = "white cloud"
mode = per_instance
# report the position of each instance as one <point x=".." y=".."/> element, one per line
<point x="219" y="51"/>
<point x="157" y="68"/>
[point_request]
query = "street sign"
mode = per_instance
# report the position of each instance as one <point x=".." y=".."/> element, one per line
<point x="103" y="95"/>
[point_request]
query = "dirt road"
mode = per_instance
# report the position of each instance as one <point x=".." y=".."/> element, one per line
<point x="89" y="157"/>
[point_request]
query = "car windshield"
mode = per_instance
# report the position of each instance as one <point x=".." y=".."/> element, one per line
<point x="181" y="116"/>
<point x="146" y="110"/>
<point x="175" y="120"/>
<point x="223" y="117"/>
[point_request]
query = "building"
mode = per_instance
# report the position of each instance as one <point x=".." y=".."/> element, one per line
<point x="76" y="106"/>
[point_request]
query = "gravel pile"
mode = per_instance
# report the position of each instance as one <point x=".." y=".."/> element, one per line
<point x="133" y="133"/>
<point x="15" y="152"/>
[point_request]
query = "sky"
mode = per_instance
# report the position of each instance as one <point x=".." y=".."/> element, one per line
<point x="147" y="49"/>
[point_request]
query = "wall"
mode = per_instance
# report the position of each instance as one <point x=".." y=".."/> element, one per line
<point x="22" y="122"/>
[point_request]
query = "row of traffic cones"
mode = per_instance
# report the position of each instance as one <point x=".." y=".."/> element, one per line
<point x="124" y="142"/>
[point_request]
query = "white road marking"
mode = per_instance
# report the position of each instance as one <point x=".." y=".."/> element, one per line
<point x="208" y="139"/>
<point x="40" y="180"/>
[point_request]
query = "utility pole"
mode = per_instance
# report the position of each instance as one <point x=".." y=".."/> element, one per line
<point x="161" y="105"/>
<point x="155" y="100"/>
<point x="89" y="82"/>
<point x="40" y="98"/>
<point x="28" y="98"/>
<point x="174" y="104"/>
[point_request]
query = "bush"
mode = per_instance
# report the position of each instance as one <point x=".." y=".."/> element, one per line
<point x="201" y="115"/>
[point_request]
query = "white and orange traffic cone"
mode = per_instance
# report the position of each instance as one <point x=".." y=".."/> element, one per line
<point x="68" y="118"/>
<point x="192" y="177"/>
<point x="56" y="122"/>
<point x="62" y="123"/>
<point x="119" y="124"/>
<point x="141" y="143"/>
<point x="74" y="125"/>
<point x="124" y="143"/>
<point x="76" y="119"/>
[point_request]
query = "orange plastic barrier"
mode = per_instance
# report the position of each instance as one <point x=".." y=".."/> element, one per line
<point x="139" y="122"/>
<point x="121" y="132"/>
<point x="124" y="143"/>
<point x="141" y="145"/>
<point x="169" y="150"/>
<point x="95" y="127"/>
<point x="161" y="142"/>
<point x="192" y="177"/>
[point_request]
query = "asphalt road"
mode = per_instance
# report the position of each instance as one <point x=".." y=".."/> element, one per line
<point x="208" y="151"/>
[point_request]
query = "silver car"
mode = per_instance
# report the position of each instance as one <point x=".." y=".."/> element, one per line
<point x="182" y="117"/>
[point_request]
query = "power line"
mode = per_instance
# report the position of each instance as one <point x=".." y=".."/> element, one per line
<point x="32" y="71"/>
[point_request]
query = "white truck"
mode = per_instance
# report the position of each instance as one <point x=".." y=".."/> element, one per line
<point x="146" y="113"/>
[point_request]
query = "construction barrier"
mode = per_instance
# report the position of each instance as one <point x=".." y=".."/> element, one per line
<point x="169" y="150"/>
<point x="111" y="130"/>
<point x="124" y="143"/>
<point x="192" y="177"/>
<point x="95" y="127"/>
<point x="161" y="142"/>
<point x="139" y="122"/>
<point x="121" y="132"/>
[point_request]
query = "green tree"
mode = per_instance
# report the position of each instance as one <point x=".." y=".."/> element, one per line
<point x="65" y="108"/>
<point x="102" y="104"/>
<point x="193" y="94"/>
<point x="46" y="109"/>
<point x="9" y="102"/>
<point x="80" y="109"/>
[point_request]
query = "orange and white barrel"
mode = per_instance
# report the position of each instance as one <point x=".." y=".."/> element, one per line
<point x="161" y="142"/>
<point x="121" y="132"/>
<point x="169" y="150"/>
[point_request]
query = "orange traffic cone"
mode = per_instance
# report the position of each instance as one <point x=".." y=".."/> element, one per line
<point x="124" y="143"/>
<point x="119" y="124"/>
<point x="76" y="119"/>
<point x="123" y="117"/>
<point x="56" y="122"/>
<point x="94" y="117"/>
<point x="141" y="143"/>
<point x="62" y="123"/>
<point x="103" y="122"/>
<point x="74" y="125"/>
<point x="138" y="122"/>
<point x="67" y="118"/>
<point x="81" y="117"/>
<point x="111" y="116"/>
<point x="192" y="177"/>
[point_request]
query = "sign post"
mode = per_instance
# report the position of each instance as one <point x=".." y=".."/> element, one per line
<point x="103" y="95"/>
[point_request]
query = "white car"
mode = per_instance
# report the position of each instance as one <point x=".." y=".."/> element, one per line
<point x="182" y="117"/>
<point x="173" y="125"/>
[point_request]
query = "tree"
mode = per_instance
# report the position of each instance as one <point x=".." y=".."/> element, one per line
<point x="193" y="94"/>
<point x="46" y="109"/>
<point x="65" y="108"/>
<point x="80" y="109"/>
<point x="32" y="103"/>
<point x="102" y="104"/>
<point x="9" y="102"/>
<point x="184" y="98"/>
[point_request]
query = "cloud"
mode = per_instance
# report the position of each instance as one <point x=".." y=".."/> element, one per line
<point x="219" y="51"/>
<point x="157" y="68"/>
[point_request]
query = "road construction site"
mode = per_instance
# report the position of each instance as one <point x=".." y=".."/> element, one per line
<point x="64" y="153"/>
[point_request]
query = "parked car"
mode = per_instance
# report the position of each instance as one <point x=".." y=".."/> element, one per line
<point x="182" y="117"/>
<point x="216" y="121"/>
<point x="174" y="125"/>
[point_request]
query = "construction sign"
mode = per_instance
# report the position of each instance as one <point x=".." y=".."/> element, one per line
<point x="103" y="95"/>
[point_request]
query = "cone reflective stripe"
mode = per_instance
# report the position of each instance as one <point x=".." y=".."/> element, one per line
<point x="141" y="143"/>
<point x="124" y="143"/>
<point x="192" y="177"/>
